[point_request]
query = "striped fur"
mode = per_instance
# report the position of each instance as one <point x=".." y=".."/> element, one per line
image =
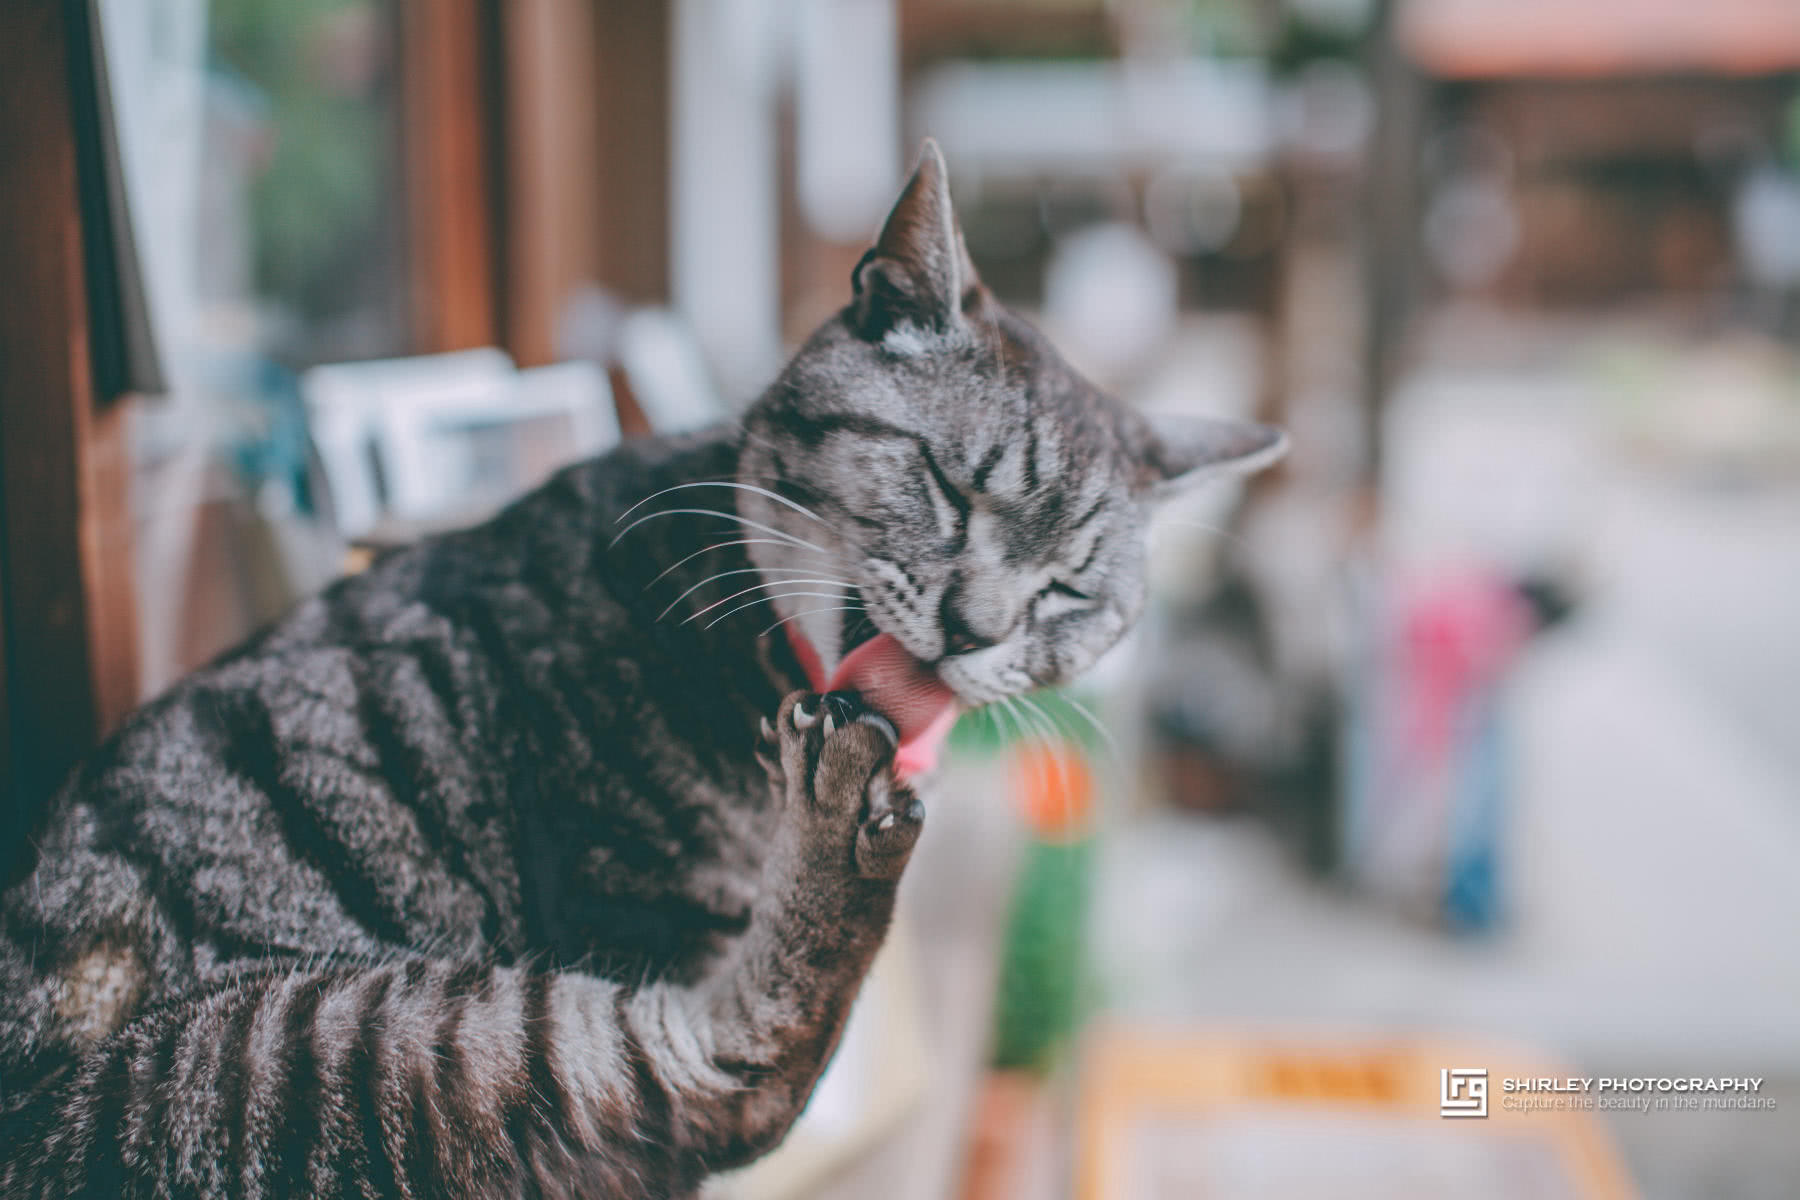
<point x="471" y="877"/>
<point x="464" y="880"/>
<point x="426" y="1078"/>
<point x="472" y="1072"/>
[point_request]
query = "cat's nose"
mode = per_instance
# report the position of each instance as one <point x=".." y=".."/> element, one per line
<point x="970" y="626"/>
<point x="959" y="639"/>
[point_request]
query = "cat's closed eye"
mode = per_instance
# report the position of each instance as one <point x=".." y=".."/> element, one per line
<point x="1059" y="599"/>
<point x="949" y="506"/>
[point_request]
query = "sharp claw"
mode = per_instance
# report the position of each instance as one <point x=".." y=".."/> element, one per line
<point x="886" y="823"/>
<point x="840" y="710"/>
<point x="882" y="723"/>
<point x="768" y="730"/>
<point x="802" y="718"/>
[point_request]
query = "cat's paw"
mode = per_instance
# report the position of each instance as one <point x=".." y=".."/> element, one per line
<point x="833" y="759"/>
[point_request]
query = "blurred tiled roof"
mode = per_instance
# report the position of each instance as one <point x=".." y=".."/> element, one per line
<point x="1470" y="39"/>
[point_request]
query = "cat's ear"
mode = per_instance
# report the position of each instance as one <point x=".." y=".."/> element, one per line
<point x="919" y="270"/>
<point x="1182" y="451"/>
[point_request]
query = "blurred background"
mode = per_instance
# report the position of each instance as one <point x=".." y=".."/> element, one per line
<point x="1469" y="737"/>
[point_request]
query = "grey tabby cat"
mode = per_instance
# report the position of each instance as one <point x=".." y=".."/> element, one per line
<point x="475" y="877"/>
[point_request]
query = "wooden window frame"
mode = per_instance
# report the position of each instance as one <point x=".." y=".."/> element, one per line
<point x="69" y="664"/>
<point x="507" y="199"/>
<point x="68" y="641"/>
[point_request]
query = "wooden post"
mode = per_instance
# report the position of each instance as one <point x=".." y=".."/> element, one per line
<point x="69" y="642"/>
<point x="449" y="114"/>
<point x="632" y="200"/>
<point x="585" y="169"/>
<point x="1402" y="95"/>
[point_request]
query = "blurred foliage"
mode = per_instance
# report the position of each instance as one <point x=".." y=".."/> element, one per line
<point x="1227" y="28"/>
<point x="1301" y="44"/>
<point x="1791" y="133"/>
<point x="1042" y="993"/>
<point x="1061" y="713"/>
<point x="322" y="70"/>
<point x="1310" y="33"/>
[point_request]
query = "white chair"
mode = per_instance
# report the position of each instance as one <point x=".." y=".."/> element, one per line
<point x="445" y="438"/>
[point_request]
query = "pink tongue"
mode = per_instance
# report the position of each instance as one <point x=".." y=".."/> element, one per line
<point x="897" y="685"/>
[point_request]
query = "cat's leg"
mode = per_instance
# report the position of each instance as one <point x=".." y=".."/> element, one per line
<point x="422" y="1078"/>
<point x="780" y="1000"/>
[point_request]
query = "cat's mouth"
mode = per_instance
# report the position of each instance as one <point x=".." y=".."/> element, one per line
<point x="896" y="685"/>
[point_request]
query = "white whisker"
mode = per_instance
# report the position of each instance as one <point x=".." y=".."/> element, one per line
<point x="741" y="571"/>
<point x="724" y="483"/>
<point x="1055" y="743"/>
<point x="1026" y="738"/>
<point x="770" y="599"/>
<point x="995" y="711"/>
<point x="823" y="608"/>
<point x="1099" y="728"/>
<point x="1057" y="727"/>
<point x="758" y="586"/>
<point x="713" y="512"/>
<point x="1019" y="731"/>
<point x="725" y="546"/>
<point x="1036" y="716"/>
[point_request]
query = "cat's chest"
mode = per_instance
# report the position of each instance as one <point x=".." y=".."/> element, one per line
<point x="670" y="873"/>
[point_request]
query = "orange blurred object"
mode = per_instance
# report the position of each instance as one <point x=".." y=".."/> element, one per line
<point x="1000" y="1134"/>
<point x="1489" y="39"/>
<point x="1054" y="788"/>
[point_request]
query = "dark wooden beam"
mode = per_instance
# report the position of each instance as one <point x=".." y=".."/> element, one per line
<point x="70" y="619"/>
<point x="585" y="169"/>
<point x="450" y="108"/>
<point x="1402" y="101"/>
<point x="547" y="64"/>
<point x="632" y="203"/>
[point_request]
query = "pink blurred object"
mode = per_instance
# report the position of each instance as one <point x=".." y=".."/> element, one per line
<point x="1459" y="629"/>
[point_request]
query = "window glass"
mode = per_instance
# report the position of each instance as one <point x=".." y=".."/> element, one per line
<point x="259" y="145"/>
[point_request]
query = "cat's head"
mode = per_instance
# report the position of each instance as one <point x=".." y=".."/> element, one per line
<point x="968" y="492"/>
